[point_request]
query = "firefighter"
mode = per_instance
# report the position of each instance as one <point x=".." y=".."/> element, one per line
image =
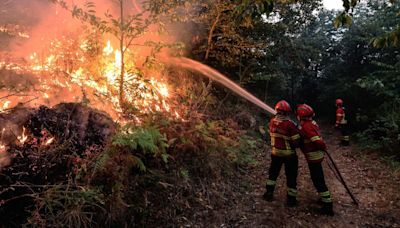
<point x="341" y="123"/>
<point x="313" y="147"/>
<point x="285" y="138"/>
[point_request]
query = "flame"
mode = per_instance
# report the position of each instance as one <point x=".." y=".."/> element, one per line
<point x="5" y="106"/>
<point x="177" y="115"/>
<point x="98" y="80"/>
<point x="108" y="50"/>
<point x="49" y="141"/>
<point x="22" y="138"/>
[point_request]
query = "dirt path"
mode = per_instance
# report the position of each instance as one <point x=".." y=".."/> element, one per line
<point x="371" y="181"/>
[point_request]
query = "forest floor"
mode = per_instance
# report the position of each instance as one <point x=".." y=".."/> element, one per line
<point x="372" y="181"/>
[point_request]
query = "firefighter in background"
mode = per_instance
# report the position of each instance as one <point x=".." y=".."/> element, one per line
<point x="285" y="138"/>
<point x="313" y="147"/>
<point x="341" y="122"/>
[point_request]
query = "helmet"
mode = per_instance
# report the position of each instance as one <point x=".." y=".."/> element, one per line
<point x="304" y="111"/>
<point x="283" y="106"/>
<point x="339" y="102"/>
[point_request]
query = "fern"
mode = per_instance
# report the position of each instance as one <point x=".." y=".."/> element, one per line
<point x="147" y="140"/>
<point x="101" y="161"/>
<point x="134" y="161"/>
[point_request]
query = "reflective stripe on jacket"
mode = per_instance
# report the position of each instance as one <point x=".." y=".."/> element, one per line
<point x="285" y="137"/>
<point x="313" y="145"/>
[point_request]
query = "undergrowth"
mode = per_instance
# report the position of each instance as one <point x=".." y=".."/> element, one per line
<point x="146" y="175"/>
<point x="383" y="135"/>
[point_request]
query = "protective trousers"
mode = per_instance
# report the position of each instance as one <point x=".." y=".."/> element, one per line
<point x="317" y="177"/>
<point x="345" y="138"/>
<point x="291" y="165"/>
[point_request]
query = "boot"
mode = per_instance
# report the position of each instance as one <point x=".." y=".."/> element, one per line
<point x="269" y="193"/>
<point x="291" y="201"/>
<point x="327" y="209"/>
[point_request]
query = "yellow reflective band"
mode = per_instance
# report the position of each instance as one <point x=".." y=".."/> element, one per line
<point x="287" y="144"/>
<point x="326" y="200"/>
<point x="271" y="182"/>
<point x="339" y="114"/>
<point x="315" y="138"/>
<point x="292" y="192"/>
<point x="296" y="136"/>
<point x="282" y="153"/>
<point x="277" y="135"/>
<point x="315" y="156"/>
<point x="325" y="194"/>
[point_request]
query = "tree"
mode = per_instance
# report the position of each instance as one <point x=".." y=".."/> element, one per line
<point x="124" y="27"/>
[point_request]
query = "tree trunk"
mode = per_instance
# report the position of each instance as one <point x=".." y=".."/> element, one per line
<point x="210" y="35"/>
<point x="121" y="46"/>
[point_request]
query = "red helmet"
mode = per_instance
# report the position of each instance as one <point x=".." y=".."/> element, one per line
<point x="339" y="102"/>
<point x="283" y="106"/>
<point x="304" y="111"/>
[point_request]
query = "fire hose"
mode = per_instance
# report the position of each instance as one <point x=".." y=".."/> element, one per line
<point x="339" y="176"/>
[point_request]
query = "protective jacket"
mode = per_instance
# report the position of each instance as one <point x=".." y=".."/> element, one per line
<point x="285" y="137"/>
<point x="340" y="116"/>
<point x="313" y="145"/>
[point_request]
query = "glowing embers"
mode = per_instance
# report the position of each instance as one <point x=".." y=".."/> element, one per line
<point x="23" y="137"/>
<point x="49" y="141"/>
<point x="45" y="139"/>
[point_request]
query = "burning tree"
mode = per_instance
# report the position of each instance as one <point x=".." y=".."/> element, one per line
<point x="125" y="28"/>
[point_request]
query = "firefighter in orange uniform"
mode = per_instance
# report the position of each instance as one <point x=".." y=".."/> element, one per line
<point x="314" y="148"/>
<point x="341" y="122"/>
<point x="285" y="138"/>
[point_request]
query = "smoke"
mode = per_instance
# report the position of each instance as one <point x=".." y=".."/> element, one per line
<point x="45" y="21"/>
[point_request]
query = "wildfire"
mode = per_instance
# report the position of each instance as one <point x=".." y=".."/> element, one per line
<point x="72" y="71"/>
